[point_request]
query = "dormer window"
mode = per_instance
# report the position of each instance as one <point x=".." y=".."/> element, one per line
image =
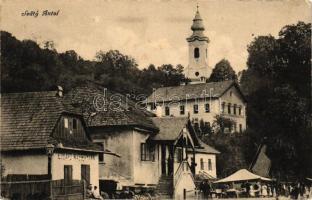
<point x="65" y="122"/>
<point x="196" y="52"/>
<point x="74" y="123"/>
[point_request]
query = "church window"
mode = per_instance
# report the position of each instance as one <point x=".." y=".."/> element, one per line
<point x="196" y="73"/>
<point x="239" y="110"/>
<point x="234" y="109"/>
<point x="196" y="52"/>
<point x="206" y="53"/>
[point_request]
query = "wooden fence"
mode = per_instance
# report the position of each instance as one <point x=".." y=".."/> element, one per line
<point x="43" y="189"/>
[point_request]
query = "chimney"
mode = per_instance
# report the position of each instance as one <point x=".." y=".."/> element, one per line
<point x="59" y="91"/>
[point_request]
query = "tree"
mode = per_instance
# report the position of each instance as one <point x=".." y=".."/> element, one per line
<point x="223" y="71"/>
<point x="220" y="124"/>
<point x="277" y="87"/>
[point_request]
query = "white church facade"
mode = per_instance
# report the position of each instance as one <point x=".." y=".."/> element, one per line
<point x="199" y="99"/>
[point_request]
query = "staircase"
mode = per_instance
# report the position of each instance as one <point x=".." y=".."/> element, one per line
<point x="165" y="187"/>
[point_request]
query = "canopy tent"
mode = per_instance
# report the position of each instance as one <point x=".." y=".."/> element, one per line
<point x="242" y="175"/>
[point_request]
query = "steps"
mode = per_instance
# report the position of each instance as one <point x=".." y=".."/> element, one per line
<point x="165" y="187"/>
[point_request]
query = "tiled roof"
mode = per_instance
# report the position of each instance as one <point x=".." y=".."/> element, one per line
<point x="169" y="127"/>
<point x="190" y="91"/>
<point x="28" y="120"/>
<point x="99" y="114"/>
<point x="205" y="148"/>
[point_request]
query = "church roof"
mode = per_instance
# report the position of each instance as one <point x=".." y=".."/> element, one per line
<point x="197" y="28"/>
<point x="197" y="23"/>
<point x="191" y="91"/>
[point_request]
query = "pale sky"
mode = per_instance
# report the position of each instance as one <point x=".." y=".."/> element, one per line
<point x="152" y="31"/>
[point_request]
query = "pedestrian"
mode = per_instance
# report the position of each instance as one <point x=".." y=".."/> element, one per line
<point x="95" y="194"/>
<point x="89" y="191"/>
<point x="264" y="190"/>
<point x="252" y="191"/>
<point x="247" y="186"/>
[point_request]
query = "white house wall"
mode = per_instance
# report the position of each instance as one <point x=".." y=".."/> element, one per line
<point x="230" y="96"/>
<point x="205" y="157"/>
<point x="120" y="168"/>
<point x="61" y="159"/>
<point x="145" y="172"/>
<point x="186" y="183"/>
<point x="24" y="164"/>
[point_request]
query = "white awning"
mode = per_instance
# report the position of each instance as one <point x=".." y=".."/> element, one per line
<point x="242" y="175"/>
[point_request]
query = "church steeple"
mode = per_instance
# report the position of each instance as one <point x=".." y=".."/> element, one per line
<point x="198" y="28"/>
<point x="198" y="69"/>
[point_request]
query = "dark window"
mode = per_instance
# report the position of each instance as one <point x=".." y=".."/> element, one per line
<point x="229" y="108"/>
<point x="209" y="165"/>
<point x="147" y="152"/>
<point x="202" y="164"/>
<point x="240" y="110"/>
<point x="179" y="154"/>
<point x="234" y="109"/>
<point x="167" y="111"/>
<point x="206" y="53"/>
<point x="223" y="107"/>
<point x="207" y="108"/>
<point x="195" y="107"/>
<point x="74" y="123"/>
<point x="101" y="155"/>
<point x="68" y="174"/>
<point x="240" y="128"/>
<point x="196" y="53"/>
<point x="85" y="173"/>
<point x="182" y="110"/>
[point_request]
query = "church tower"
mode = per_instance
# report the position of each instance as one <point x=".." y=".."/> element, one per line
<point x="198" y="70"/>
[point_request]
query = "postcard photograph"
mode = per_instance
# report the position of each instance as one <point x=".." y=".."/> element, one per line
<point x="155" y="99"/>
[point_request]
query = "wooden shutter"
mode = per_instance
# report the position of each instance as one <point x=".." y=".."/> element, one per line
<point x="85" y="173"/>
<point x="68" y="174"/>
